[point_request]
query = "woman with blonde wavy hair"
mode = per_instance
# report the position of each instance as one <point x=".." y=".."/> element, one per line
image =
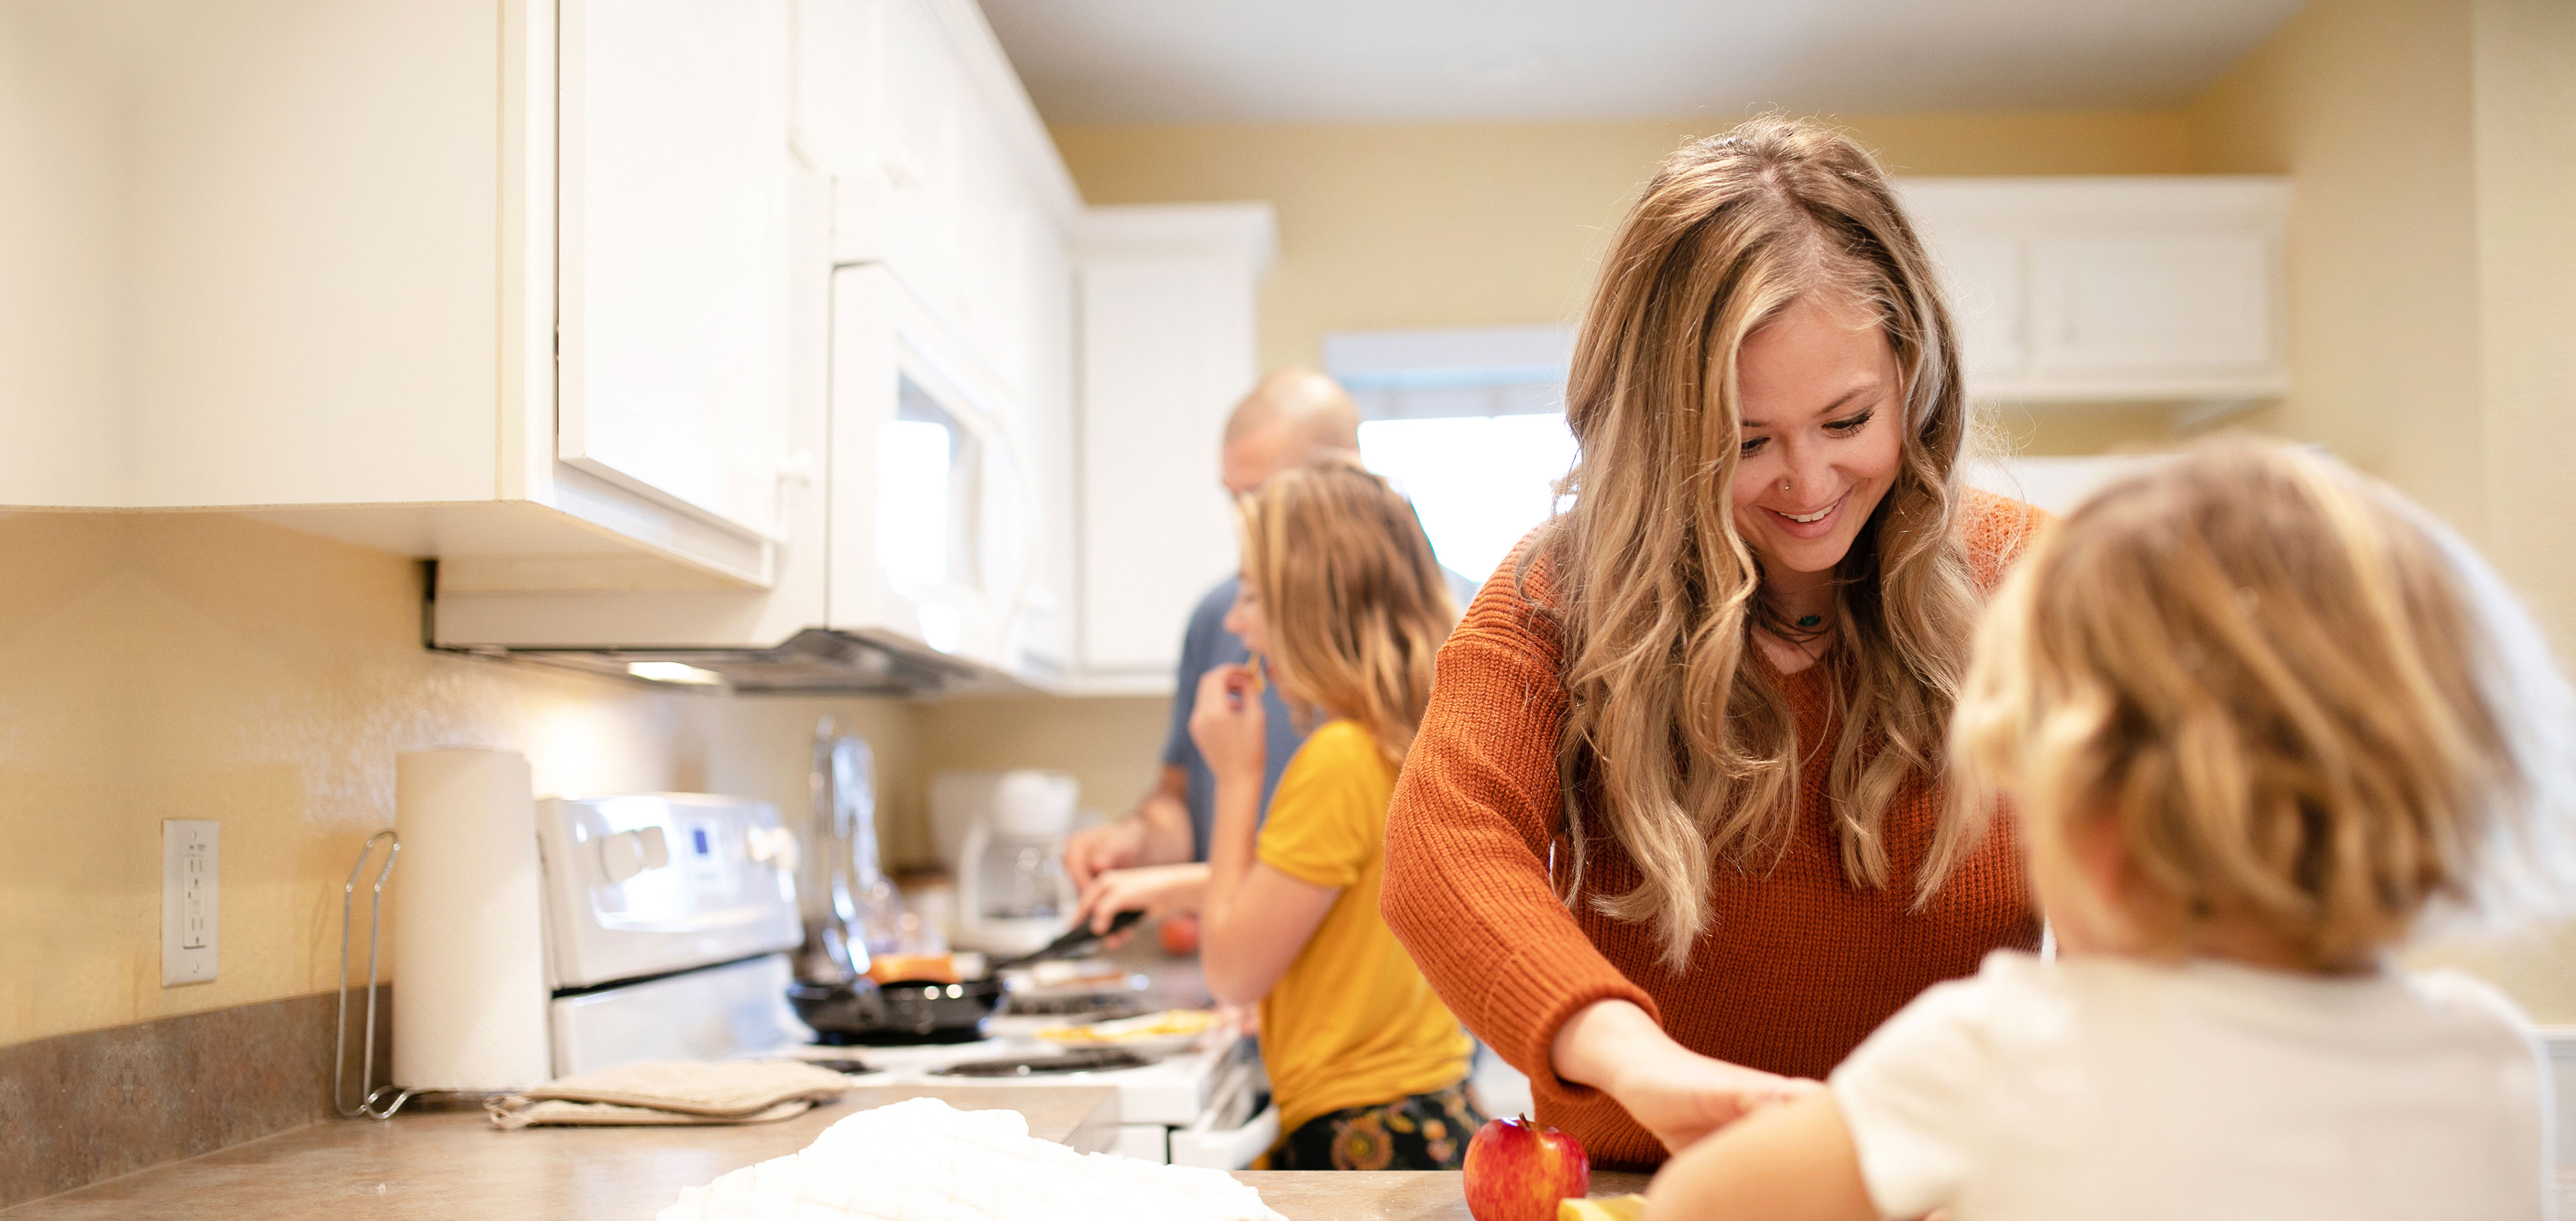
<point x="1672" y="838"/>
<point x="1343" y="601"/>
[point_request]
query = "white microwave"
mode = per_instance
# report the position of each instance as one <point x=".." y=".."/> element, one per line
<point x="945" y="513"/>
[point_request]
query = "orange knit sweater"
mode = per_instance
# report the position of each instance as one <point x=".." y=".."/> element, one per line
<point x="1798" y="964"/>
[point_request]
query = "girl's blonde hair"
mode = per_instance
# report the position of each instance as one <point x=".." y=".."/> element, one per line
<point x="1688" y="753"/>
<point x="2300" y="700"/>
<point x="1356" y="603"/>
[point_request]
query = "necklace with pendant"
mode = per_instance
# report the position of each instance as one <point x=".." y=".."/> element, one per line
<point x="1810" y="636"/>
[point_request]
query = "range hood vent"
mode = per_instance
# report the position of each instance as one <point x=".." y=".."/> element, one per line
<point x="815" y="661"/>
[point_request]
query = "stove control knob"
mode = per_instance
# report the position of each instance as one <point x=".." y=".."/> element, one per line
<point x="621" y="856"/>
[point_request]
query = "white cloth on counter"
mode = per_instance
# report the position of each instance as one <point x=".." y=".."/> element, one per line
<point x="923" y="1160"/>
<point x="2116" y="1089"/>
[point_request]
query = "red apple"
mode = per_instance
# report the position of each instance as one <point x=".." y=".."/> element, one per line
<point x="1180" y="935"/>
<point x="1518" y="1170"/>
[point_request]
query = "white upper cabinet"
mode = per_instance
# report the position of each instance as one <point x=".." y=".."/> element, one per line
<point x="675" y="254"/>
<point x="337" y="265"/>
<point x="1169" y="344"/>
<point x="2071" y="290"/>
<point x="942" y="172"/>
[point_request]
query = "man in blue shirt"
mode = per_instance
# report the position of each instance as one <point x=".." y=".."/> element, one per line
<point x="1292" y="416"/>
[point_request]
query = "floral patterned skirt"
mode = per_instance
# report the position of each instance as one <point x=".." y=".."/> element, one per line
<point x="1422" y="1132"/>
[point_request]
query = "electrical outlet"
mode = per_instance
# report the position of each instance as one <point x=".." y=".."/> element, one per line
<point x="189" y="860"/>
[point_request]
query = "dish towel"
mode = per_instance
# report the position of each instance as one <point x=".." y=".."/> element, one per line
<point x="923" y="1160"/>
<point x="674" y="1092"/>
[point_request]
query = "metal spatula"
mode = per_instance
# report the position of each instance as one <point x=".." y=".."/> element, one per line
<point x="1076" y="943"/>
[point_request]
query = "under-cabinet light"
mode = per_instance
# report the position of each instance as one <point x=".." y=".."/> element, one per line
<point x="673" y="672"/>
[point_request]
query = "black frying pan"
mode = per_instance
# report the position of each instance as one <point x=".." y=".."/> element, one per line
<point x="868" y="1013"/>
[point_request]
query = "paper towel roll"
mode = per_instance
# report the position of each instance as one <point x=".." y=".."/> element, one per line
<point x="469" y="968"/>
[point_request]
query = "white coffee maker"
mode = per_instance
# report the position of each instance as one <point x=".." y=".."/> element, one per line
<point x="1013" y="896"/>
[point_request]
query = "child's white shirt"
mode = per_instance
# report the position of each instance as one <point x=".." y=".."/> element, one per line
<point x="2110" y="1088"/>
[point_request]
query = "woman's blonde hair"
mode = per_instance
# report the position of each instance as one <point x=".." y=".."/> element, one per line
<point x="2300" y="701"/>
<point x="1356" y="603"/>
<point x="1687" y="751"/>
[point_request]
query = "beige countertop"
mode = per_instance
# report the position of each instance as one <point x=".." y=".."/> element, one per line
<point x="447" y="1165"/>
<point x="422" y="1167"/>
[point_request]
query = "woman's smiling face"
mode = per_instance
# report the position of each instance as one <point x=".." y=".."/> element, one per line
<point x="1820" y="408"/>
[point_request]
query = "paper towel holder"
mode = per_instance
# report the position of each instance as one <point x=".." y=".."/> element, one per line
<point x="368" y="1104"/>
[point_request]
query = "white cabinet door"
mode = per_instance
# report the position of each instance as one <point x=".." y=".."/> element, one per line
<point x="675" y="251"/>
<point x="2190" y="304"/>
<point x="1043" y="375"/>
<point x="838" y="84"/>
<point x="923" y="109"/>
<point x="1983" y="273"/>
<point x="2069" y="290"/>
<point x="1167" y="349"/>
<point x="1168" y="344"/>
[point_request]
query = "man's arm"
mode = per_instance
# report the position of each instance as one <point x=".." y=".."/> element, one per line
<point x="1165" y="816"/>
<point x="1157" y="833"/>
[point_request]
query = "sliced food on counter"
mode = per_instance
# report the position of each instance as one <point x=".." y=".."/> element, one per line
<point x="1609" y="1208"/>
<point x="923" y="1160"/>
<point x="1168" y="1027"/>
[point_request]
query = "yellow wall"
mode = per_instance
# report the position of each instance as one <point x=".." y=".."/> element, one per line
<point x="2524" y="53"/>
<point x="2432" y="148"/>
<point x="207" y="666"/>
<point x="1495" y="224"/>
<point x="2525" y="57"/>
<point x="203" y="666"/>
<point x="2366" y="104"/>
<point x="1112" y="746"/>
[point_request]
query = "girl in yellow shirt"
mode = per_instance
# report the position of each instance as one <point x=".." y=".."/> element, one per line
<point x="1343" y="600"/>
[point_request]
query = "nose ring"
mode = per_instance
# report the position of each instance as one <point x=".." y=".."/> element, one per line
<point x="1784" y="485"/>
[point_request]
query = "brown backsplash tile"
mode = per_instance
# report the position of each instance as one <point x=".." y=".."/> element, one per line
<point x="84" y="1107"/>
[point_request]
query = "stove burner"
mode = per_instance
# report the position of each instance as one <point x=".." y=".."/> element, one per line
<point x="1090" y="1004"/>
<point x="1083" y="1060"/>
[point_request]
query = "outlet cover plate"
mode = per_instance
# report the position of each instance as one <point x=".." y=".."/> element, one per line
<point x="189" y="860"/>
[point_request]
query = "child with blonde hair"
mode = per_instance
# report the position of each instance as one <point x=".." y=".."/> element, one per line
<point x="1344" y="607"/>
<point x="2260" y="720"/>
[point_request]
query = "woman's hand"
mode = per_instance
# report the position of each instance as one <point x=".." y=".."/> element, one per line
<point x="1670" y="1090"/>
<point x="1687" y="1096"/>
<point x="1156" y="890"/>
<point x="1228" y="724"/>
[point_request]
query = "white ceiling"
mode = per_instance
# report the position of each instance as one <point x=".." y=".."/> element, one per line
<point x="1272" y="61"/>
